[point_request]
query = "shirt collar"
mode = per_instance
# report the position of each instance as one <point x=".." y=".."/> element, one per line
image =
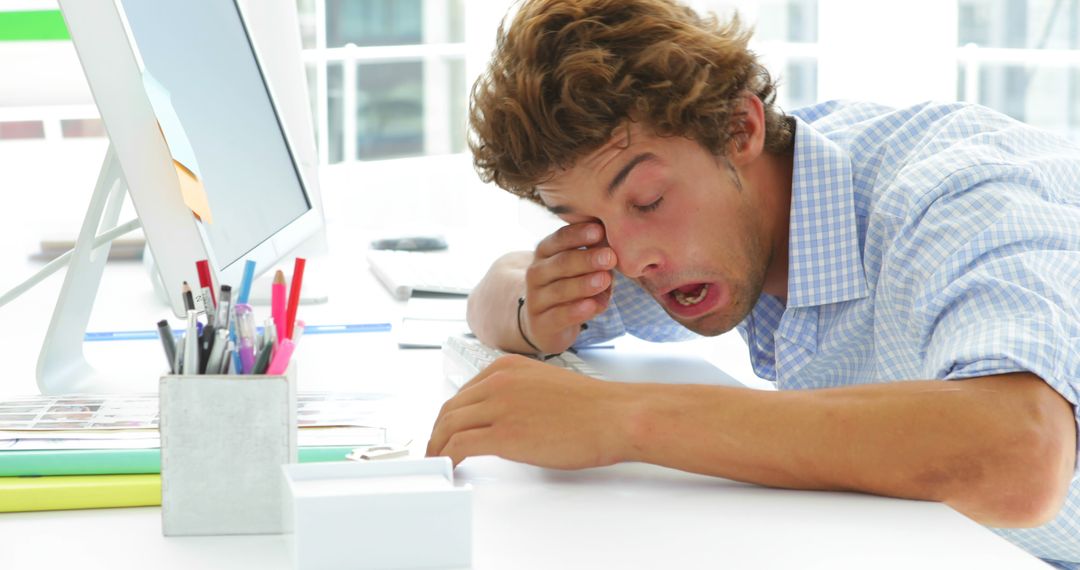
<point x="824" y="256"/>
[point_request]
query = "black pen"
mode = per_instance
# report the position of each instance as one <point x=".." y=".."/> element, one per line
<point x="206" y="344"/>
<point x="167" y="341"/>
<point x="263" y="361"/>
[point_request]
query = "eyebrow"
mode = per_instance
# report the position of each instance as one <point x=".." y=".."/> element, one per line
<point x="620" y="177"/>
<point x="624" y="172"/>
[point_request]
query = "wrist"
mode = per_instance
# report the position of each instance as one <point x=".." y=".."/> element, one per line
<point x="631" y="421"/>
<point x="521" y="327"/>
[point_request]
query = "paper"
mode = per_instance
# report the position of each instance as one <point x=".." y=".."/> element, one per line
<point x="131" y="421"/>
<point x="187" y="167"/>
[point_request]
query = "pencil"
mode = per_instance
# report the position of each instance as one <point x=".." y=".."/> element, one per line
<point x="277" y="304"/>
<point x="189" y="299"/>
<point x="294" y="296"/>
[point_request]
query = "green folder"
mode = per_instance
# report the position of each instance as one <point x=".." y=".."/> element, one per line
<point x="117" y="461"/>
<point x="96" y="478"/>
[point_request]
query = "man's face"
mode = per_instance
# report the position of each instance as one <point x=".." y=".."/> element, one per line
<point x="681" y="224"/>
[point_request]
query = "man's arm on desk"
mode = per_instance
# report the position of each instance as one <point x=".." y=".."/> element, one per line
<point x="999" y="449"/>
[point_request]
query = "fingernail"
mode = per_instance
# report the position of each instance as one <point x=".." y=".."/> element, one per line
<point x="592" y="233"/>
<point x="596" y="280"/>
<point x="603" y="258"/>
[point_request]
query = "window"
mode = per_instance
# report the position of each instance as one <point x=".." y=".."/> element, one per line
<point x="785" y="38"/>
<point x="387" y="76"/>
<point x="1020" y="57"/>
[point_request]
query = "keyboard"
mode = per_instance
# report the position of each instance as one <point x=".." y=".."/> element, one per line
<point x="403" y="272"/>
<point x="464" y="357"/>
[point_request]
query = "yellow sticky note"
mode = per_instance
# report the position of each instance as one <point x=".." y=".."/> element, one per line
<point x="191" y="188"/>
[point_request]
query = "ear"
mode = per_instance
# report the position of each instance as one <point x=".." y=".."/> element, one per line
<point x="749" y="140"/>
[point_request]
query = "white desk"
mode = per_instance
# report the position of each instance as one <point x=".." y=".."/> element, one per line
<point x="626" y="516"/>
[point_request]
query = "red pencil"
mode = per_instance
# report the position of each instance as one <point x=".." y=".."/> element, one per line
<point x="294" y="296"/>
<point x="205" y="281"/>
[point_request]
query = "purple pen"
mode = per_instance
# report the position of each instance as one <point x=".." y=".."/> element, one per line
<point x="245" y="336"/>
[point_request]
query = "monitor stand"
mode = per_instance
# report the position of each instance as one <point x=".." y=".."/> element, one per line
<point x="62" y="367"/>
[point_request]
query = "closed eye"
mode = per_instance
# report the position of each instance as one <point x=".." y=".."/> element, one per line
<point x="650" y="207"/>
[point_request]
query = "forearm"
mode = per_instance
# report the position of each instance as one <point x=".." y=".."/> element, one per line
<point x="492" y="305"/>
<point x="976" y="445"/>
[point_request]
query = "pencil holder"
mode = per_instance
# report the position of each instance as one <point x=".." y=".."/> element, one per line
<point x="224" y="439"/>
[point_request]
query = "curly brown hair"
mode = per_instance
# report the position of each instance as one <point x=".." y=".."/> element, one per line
<point x="567" y="73"/>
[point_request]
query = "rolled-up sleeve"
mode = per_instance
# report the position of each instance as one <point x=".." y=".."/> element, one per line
<point x="1009" y="312"/>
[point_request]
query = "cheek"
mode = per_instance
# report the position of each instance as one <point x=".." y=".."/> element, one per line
<point x="711" y="235"/>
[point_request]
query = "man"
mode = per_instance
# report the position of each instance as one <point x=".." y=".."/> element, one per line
<point x="866" y="254"/>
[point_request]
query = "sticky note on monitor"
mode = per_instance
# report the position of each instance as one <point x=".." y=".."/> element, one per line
<point x="187" y="167"/>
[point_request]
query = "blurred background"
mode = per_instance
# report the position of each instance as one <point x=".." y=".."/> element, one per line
<point x="388" y="82"/>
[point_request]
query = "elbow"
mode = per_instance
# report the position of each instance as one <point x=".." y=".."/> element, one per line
<point x="1034" y="496"/>
<point x="1031" y="476"/>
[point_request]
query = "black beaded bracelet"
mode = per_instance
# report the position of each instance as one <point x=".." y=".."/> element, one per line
<point x="521" y="328"/>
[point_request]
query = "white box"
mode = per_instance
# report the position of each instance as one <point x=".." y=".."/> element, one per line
<point x="223" y="442"/>
<point x="379" y="514"/>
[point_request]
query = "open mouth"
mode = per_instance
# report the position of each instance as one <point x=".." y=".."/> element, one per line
<point x="690" y="295"/>
<point x="694" y="299"/>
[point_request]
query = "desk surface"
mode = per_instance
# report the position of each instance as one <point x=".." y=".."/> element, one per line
<point x="625" y="516"/>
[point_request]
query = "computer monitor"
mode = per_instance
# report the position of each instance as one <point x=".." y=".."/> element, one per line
<point x="178" y="82"/>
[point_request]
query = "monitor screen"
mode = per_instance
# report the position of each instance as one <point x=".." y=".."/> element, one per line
<point x="197" y="55"/>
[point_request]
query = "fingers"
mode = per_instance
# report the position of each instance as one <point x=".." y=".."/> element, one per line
<point x="583" y="263"/>
<point x="456" y="421"/>
<point x="568" y="290"/>
<point x="469" y="443"/>
<point x="572" y="236"/>
<point x="565" y="285"/>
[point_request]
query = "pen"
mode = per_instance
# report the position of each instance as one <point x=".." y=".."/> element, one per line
<point x="294" y="296"/>
<point x="169" y="343"/>
<point x="206" y="345"/>
<point x="178" y="361"/>
<point x="206" y="282"/>
<point x="208" y="306"/>
<point x="270" y="335"/>
<point x="277" y="304"/>
<point x="227" y="358"/>
<point x="224" y="308"/>
<point x="191" y="344"/>
<point x="280" y="361"/>
<point x="245" y="333"/>
<point x="213" y="363"/>
<point x="245" y="283"/>
<point x="269" y="346"/>
<point x="264" y="359"/>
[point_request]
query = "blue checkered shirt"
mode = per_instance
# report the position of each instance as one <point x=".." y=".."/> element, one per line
<point x="937" y="241"/>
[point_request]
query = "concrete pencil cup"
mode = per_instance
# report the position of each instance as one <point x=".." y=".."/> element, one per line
<point x="224" y="439"/>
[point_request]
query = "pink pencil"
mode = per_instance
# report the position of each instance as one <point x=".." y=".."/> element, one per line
<point x="277" y="304"/>
<point x="280" y="361"/>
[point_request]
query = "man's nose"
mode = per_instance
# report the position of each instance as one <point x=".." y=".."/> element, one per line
<point x="636" y="256"/>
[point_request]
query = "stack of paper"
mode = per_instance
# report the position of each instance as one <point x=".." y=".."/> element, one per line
<point x="75" y="452"/>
